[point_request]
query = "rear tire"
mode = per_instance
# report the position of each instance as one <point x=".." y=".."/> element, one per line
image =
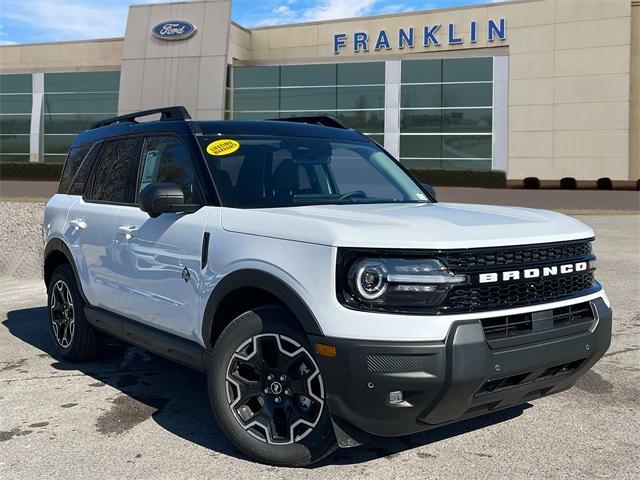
<point x="73" y="338"/>
<point x="266" y="390"/>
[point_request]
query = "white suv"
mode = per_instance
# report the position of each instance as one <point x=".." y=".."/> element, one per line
<point x="325" y="292"/>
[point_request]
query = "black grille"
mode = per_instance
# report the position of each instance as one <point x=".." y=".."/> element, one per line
<point x="514" y="325"/>
<point x="512" y="256"/>
<point x="518" y="293"/>
<point x="498" y="384"/>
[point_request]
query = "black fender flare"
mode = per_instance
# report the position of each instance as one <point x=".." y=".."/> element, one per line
<point x="252" y="278"/>
<point x="58" y="245"/>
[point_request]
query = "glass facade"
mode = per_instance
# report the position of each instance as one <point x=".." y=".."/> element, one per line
<point x="446" y="113"/>
<point x="15" y="117"/>
<point x="446" y="105"/>
<point x="351" y="92"/>
<point x="72" y="102"/>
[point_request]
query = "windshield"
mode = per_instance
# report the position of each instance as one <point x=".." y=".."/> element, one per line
<point x="264" y="172"/>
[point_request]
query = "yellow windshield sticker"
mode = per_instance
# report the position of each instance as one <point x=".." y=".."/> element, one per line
<point x="222" y="147"/>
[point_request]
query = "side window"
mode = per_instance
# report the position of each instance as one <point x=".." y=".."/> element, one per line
<point x="82" y="176"/>
<point x="166" y="159"/>
<point x="111" y="175"/>
<point x="71" y="165"/>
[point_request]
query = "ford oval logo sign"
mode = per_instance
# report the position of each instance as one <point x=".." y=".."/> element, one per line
<point x="174" y="30"/>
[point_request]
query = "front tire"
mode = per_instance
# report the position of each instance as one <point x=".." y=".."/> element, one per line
<point x="73" y="338"/>
<point x="266" y="390"/>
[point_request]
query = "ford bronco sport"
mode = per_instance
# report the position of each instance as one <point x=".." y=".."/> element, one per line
<point x="323" y="290"/>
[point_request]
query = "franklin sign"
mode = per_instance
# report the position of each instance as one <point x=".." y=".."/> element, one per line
<point x="426" y="37"/>
<point x="174" y="30"/>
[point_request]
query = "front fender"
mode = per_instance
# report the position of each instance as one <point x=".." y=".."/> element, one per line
<point x="252" y="278"/>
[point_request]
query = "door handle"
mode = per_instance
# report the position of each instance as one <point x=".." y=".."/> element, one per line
<point x="128" y="231"/>
<point x="78" y="223"/>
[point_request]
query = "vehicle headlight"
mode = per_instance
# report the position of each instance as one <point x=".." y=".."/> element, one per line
<point x="393" y="282"/>
<point x="370" y="279"/>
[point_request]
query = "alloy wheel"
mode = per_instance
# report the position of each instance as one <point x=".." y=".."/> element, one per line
<point x="62" y="314"/>
<point x="274" y="389"/>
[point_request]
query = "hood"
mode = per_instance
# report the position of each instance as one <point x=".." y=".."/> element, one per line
<point x="417" y="225"/>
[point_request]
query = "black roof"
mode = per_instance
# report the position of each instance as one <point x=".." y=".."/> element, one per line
<point x="177" y="120"/>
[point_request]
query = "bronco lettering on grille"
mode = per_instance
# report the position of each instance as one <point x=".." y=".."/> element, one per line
<point x="530" y="273"/>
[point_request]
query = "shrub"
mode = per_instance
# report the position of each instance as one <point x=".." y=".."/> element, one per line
<point x="461" y="178"/>
<point x="457" y="178"/>
<point x="604" y="183"/>
<point x="531" y="183"/>
<point x="568" y="183"/>
<point x="36" y="171"/>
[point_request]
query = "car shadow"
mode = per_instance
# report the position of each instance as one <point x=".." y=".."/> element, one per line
<point x="175" y="397"/>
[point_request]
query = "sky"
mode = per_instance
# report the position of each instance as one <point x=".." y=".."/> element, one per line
<point x="32" y="21"/>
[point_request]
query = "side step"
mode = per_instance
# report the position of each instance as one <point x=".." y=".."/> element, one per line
<point x="172" y="347"/>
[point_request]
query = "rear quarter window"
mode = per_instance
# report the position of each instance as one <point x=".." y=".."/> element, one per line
<point x="71" y="165"/>
<point x="82" y="175"/>
<point x="113" y="170"/>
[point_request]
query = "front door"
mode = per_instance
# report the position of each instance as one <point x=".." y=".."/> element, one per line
<point x="159" y="259"/>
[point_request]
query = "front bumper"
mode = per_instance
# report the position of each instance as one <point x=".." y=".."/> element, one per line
<point x="459" y="378"/>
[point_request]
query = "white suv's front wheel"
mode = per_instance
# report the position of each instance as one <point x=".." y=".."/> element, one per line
<point x="266" y="390"/>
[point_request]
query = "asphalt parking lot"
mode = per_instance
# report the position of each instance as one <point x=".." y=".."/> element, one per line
<point x="133" y="414"/>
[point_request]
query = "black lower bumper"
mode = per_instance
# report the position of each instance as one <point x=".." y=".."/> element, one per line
<point x="459" y="378"/>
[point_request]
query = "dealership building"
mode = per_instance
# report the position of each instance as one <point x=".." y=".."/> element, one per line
<point x="545" y="88"/>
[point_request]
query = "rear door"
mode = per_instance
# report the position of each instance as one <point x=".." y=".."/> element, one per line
<point x="159" y="259"/>
<point x="92" y="220"/>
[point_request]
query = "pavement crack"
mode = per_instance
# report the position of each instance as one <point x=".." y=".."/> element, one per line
<point x="12" y="365"/>
<point x="9" y="434"/>
<point x="624" y="350"/>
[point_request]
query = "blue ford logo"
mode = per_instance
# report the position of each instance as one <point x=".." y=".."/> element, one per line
<point x="174" y="30"/>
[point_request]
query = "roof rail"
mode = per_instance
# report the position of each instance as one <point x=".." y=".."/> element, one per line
<point x="323" y="120"/>
<point x="166" y="113"/>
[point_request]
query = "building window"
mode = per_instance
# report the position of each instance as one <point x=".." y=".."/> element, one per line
<point x="351" y="92"/>
<point x="15" y="117"/>
<point x="72" y="102"/>
<point x="446" y="113"/>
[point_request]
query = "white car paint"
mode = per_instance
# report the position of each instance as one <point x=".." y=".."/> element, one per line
<point x="296" y="244"/>
<point x="413" y="225"/>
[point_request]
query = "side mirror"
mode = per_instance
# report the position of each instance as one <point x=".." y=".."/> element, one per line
<point x="159" y="198"/>
<point x="430" y="190"/>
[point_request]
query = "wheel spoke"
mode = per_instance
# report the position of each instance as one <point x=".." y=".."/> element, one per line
<point x="300" y="367"/>
<point x="295" y="413"/>
<point x="57" y="299"/>
<point x="248" y="390"/>
<point x="267" y="351"/>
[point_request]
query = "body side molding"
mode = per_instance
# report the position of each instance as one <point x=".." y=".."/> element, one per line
<point x="167" y="345"/>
